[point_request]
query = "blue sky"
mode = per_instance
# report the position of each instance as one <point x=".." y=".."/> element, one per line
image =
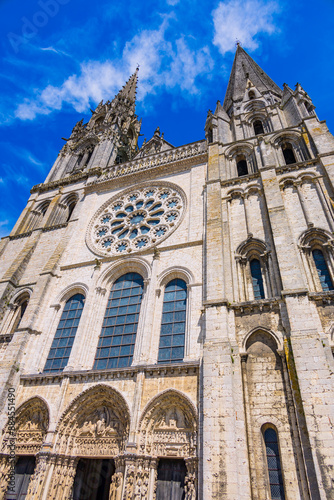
<point x="61" y="57"/>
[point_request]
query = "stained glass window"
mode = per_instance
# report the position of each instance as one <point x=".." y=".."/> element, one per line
<point x="274" y="465"/>
<point x="67" y="328"/>
<point x="257" y="279"/>
<point x="322" y="269"/>
<point x="173" y="324"/>
<point x="118" y="336"/>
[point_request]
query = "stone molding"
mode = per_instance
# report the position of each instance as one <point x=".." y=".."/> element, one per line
<point x="186" y="368"/>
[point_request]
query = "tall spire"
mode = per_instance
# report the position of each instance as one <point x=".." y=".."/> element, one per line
<point x="245" y="69"/>
<point x="130" y="88"/>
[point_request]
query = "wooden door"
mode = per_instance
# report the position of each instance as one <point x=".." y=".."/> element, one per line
<point x="24" y="469"/>
<point x="170" y="482"/>
<point x="92" y="479"/>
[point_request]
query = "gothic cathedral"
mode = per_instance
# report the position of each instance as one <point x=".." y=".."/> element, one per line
<point x="167" y="313"/>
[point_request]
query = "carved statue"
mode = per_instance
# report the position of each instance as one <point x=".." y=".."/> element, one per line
<point x="115" y="484"/>
<point x="190" y="488"/>
<point x="78" y="130"/>
<point x="87" y="428"/>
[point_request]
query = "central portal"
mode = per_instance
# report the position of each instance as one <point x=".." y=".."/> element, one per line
<point x="171" y="476"/>
<point x="92" y="479"/>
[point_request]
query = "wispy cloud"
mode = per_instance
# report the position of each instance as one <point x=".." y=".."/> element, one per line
<point x="163" y="63"/>
<point x="56" y="51"/>
<point x="243" y="20"/>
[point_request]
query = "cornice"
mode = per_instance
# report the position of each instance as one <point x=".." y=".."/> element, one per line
<point x="85" y="376"/>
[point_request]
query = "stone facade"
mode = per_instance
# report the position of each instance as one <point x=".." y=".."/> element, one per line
<point x="243" y="221"/>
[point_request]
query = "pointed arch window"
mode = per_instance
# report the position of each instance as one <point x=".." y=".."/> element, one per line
<point x="257" y="279"/>
<point x="63" y="340"/>
<point x="210" y="135"/>
<point x="289" y="155"/>
<point x="117" y="340"/>
<point x="258" y="127"/>
<point x="323" y="273"/>
<point x="242" y="167"/>
<point x="274" y="465"/>
<point x="173" y="324"/>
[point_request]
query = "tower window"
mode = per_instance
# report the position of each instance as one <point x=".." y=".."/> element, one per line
<point x="258" y="127"/>
<point x="323" y="273"/>
<point x="210" y="135"/>
<point x="63" y="341"/>
<point x="173" y="324"/>
<point x="71" y="207"/>
<point x="118" y="336"/>
<point x="80" y="158"/>
<point x="288" y="153"/>
<point x="242" y="166"/>
<point x="274" y="465"/>
<point x="257" y="279"/>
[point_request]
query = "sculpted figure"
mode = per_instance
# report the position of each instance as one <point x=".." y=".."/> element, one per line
<point x="190" y="489"/>
<point x="87" y="429"/>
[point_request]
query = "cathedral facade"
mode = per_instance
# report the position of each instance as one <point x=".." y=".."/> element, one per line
<point x="167" y="313"/>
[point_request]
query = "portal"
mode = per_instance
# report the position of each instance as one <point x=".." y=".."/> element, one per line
<point x="171" y="476"/>
<point x="92" y="479"/>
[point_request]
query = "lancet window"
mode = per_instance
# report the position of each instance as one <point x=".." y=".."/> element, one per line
<point x="67" y="328"/>
<point x="257" y="279"/>
<point x="274" y="465"/>
<point x="173" y="324"/>
<point x="117" y="340"/>
<point x="322" y="269"/>
<point x="288" y="153"/>
<point x="242" y="167"/>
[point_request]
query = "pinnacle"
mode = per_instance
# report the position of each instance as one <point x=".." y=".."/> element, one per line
<point x="245" y="69"/>
<point x="129" y="90"/>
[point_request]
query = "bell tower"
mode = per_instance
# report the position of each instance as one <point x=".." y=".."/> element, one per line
<point x="109" y="137"/>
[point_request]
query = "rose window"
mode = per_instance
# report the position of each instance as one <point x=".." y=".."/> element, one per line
<point x="136" y="220"/>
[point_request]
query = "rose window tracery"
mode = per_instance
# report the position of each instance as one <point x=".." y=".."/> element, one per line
<point x="136" y="219"/>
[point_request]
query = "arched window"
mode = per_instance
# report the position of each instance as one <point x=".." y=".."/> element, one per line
<point x="22" y="304"/>
<point x="63" y="341"/>
<point x="274" y="465"/>
<point x="173" y="324"/>
<point x="118" y="336"/>
<point x="288" y="153"/>
<point x="71" y="207"/>
<point x="210" y="135"/>
<point x="251" y="94"/>
<point x="241" y="165"/>
<point x="258" y="127"/>
<point x="322" y="269"/>
<point x="121" y="157"/>
<point x="257" y="279"/>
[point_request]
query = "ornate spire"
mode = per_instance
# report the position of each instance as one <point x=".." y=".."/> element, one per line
<point x="130" y="88"/>
<point x="245" y="69"/>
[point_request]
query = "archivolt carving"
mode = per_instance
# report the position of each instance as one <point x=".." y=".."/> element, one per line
<point x="168" y="427"/>
<point x="32" y="422"/>
<point x="96" y="423"/>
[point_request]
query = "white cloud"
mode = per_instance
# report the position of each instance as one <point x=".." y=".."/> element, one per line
<point x="163" y="64"/>
<point x="243" y="20"/>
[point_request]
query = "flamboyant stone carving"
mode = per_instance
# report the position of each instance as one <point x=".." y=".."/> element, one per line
<point x="32" y="422"/>
<point x="95" y="424"/>
<point x="136" y="219"/>
<point x="168" y="428"/>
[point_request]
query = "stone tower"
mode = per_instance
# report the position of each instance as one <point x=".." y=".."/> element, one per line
<point x="167" y="313"/>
